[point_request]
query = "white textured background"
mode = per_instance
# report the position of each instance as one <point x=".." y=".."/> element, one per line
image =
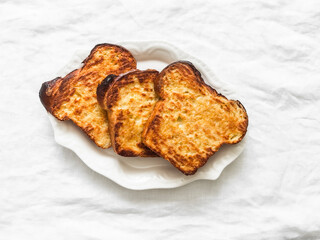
<point x="269" y="50"/>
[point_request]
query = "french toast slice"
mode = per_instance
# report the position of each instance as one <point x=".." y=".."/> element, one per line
<point x="129" y="100"/>
<point x="73" y="97"/>
<point x="191" y="120"/>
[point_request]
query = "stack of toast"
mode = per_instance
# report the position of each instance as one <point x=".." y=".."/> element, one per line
<point x="173" y="114"/>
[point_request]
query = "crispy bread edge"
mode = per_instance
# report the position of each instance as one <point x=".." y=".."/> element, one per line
<point x="44" y="95"/>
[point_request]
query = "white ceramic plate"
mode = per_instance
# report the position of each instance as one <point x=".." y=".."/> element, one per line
<point x="144" y="173"/>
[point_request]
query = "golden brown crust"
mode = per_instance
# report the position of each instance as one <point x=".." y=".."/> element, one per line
<point x="74" y="96"/>
<point x="129" y="100"/>
<point x="191" y="120"/>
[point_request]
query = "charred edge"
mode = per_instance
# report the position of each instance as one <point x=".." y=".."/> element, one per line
<point x="246" y="123"/>
<point x="178" y="166"/>
<point x="114" y="134"/>
<point x="144" y="74"/>
<point x="44" y="98"/>
<point x="184" y="62"/>
<point x="145" y="151"/>
<point x="141" y="145"/>
<point x="198" y="76"/>
<point x="241" y="106"/>
<point x="158" y="82"/>
<point x="196" y="71"/>
<point x="156" y="152"/>
<point x="148" y="153"/>
<point x="147" y="74"/>
<point x="214" y="92"/>
<point x="123" y="75"/>
<point x="127" y="153"/>
<point x="189" y="173"/>
<point x="101" y="45"/>
<point x="103" y="88"/>
<point x="203" y="161"/>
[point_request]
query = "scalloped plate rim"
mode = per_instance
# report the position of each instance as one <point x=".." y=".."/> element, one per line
<point x="163" y="183"/>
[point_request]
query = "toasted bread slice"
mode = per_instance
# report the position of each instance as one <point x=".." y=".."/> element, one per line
<point x="191" y="120"/>
<point x="74" y="96"/>
<point x="129" y="100"/>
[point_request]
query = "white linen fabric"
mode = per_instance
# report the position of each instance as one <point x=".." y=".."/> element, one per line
<point x="268" y="50"/>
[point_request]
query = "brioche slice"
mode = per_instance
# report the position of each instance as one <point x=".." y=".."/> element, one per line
<point x="129" y="100"/>
<point x="191" y="120"/>
<point x="74" y="96"/>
